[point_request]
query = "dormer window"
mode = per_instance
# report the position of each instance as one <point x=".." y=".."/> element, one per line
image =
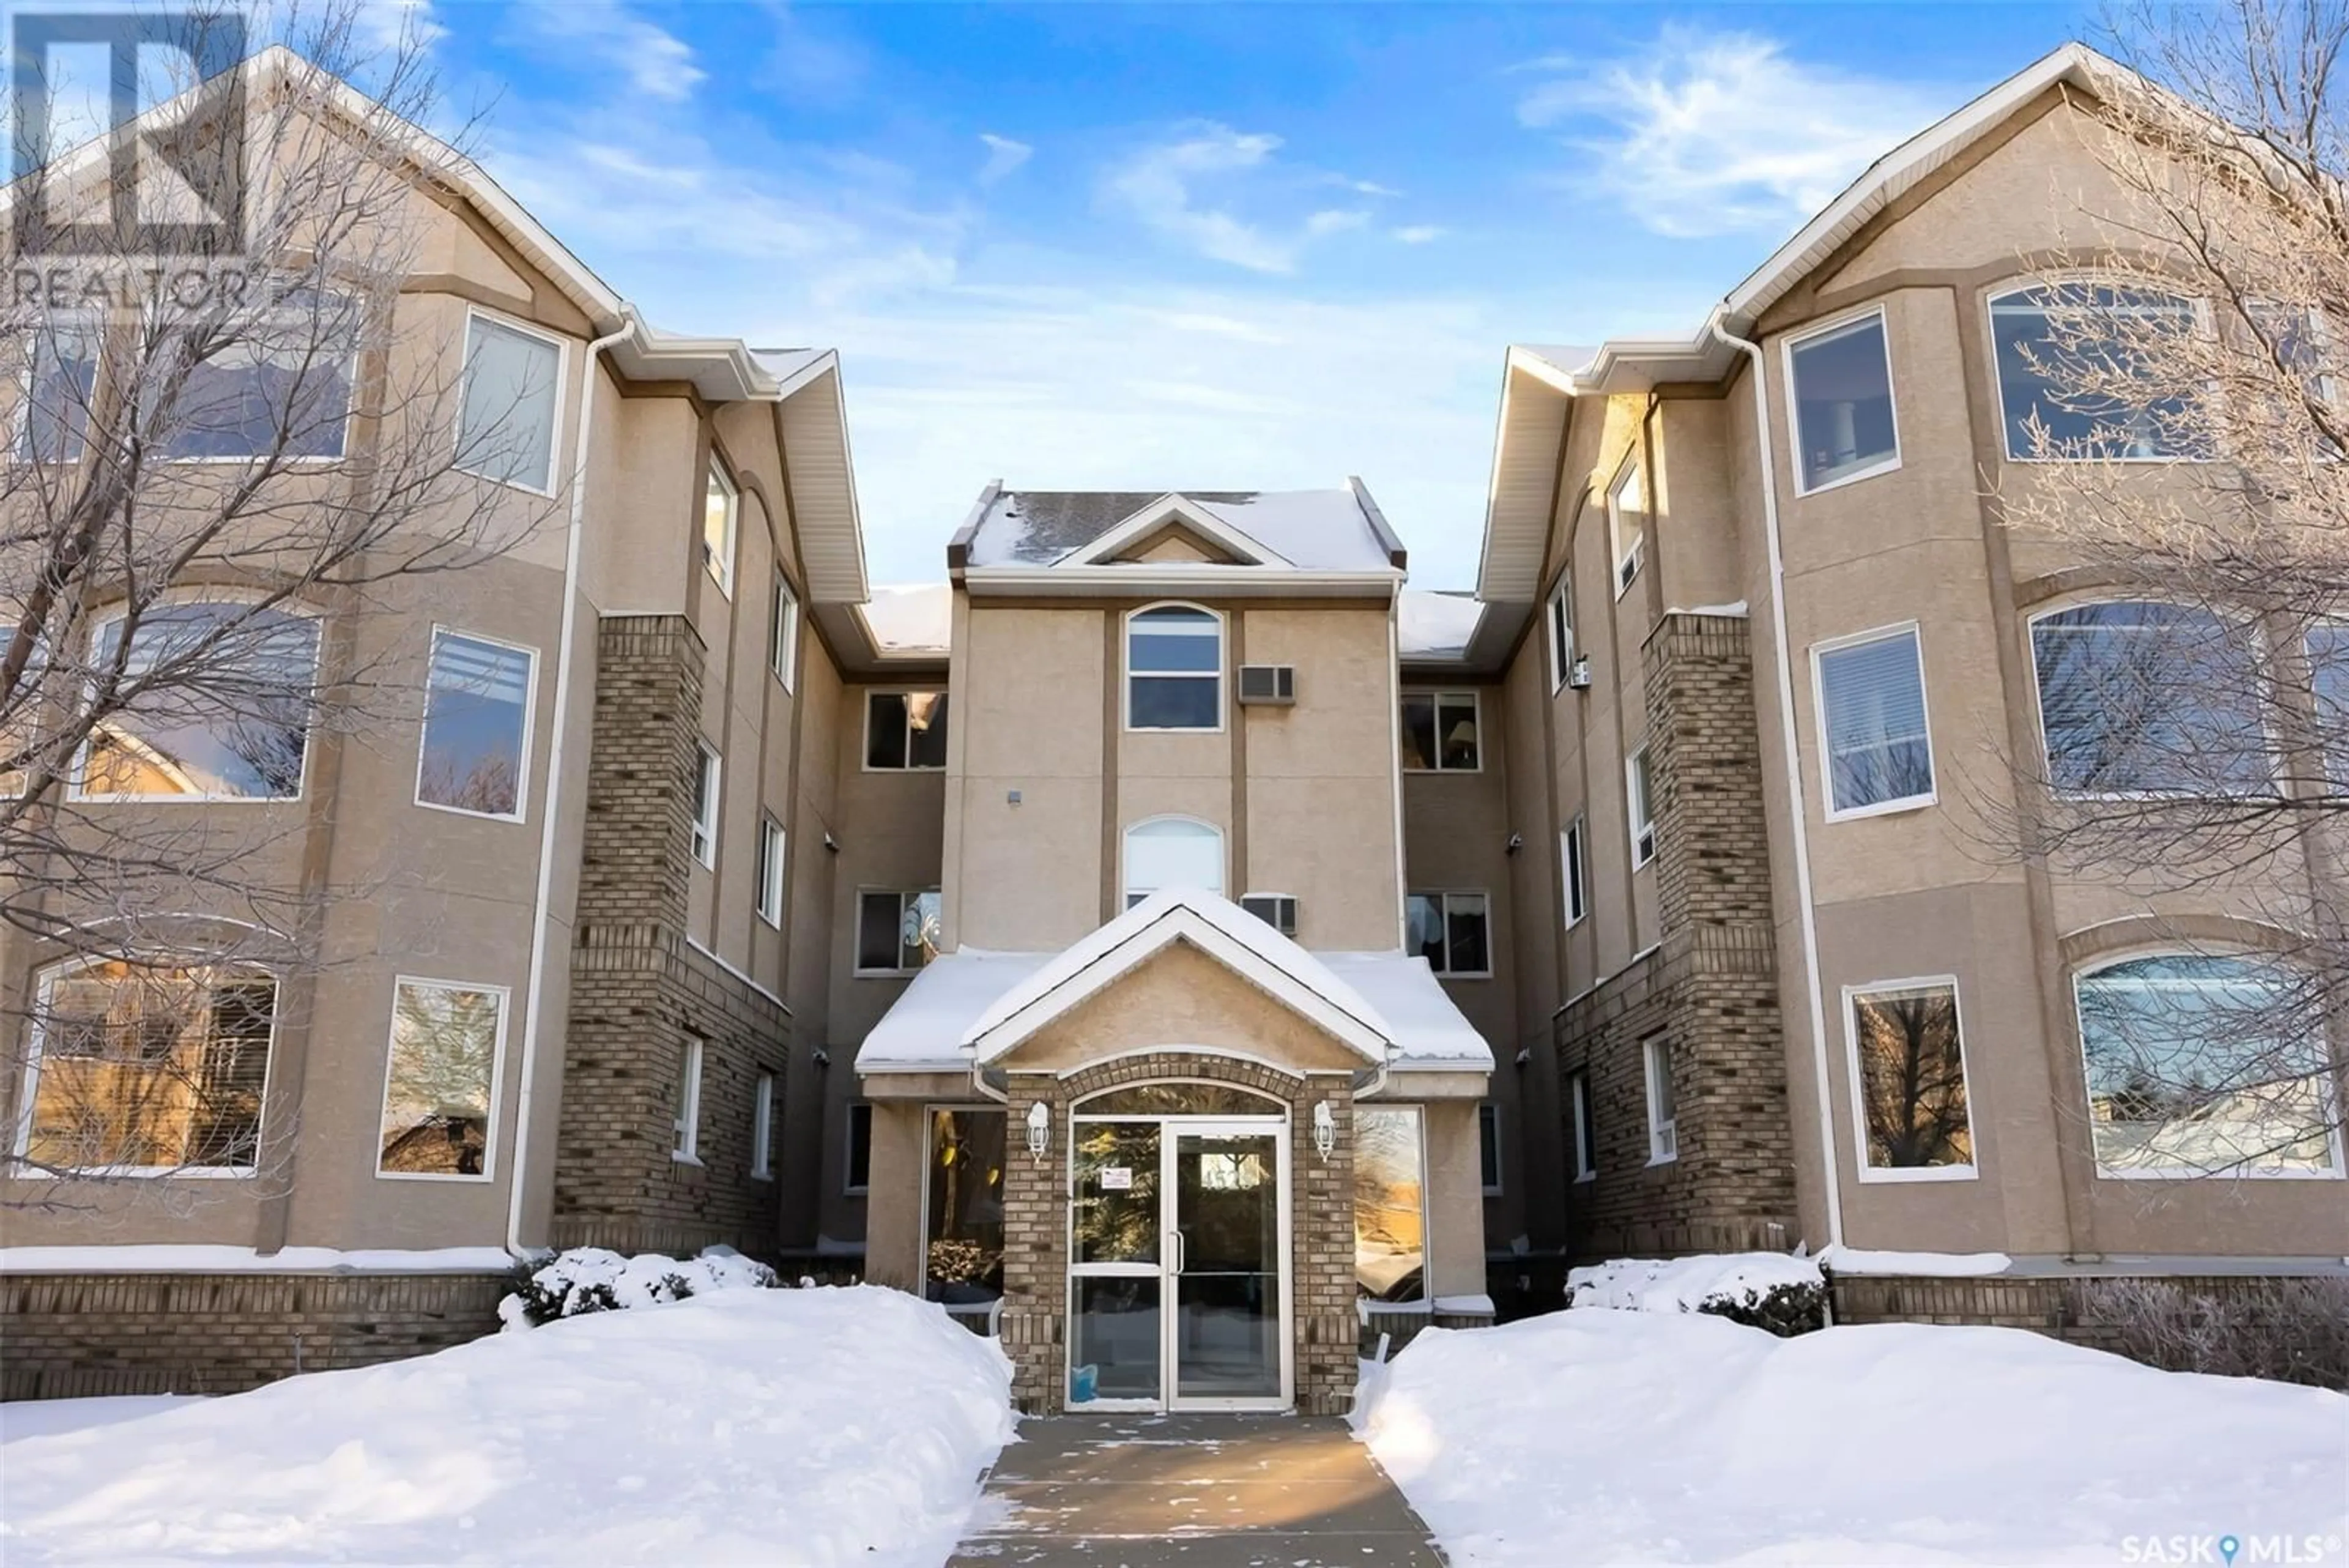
<point x="1173" y="668"/>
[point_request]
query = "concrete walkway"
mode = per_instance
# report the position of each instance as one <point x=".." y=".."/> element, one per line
<point x="1198" y="1490"/>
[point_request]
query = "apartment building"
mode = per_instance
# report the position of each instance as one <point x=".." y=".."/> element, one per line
<point x="1776" y="675"/>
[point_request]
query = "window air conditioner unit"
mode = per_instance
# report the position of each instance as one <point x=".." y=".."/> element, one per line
<point x="1278" y="910"/>
<point x="1268" y="683"/>
<point x="1578" y="675"/>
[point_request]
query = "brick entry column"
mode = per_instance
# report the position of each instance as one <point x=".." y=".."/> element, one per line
<point x="1034" y="1325"/>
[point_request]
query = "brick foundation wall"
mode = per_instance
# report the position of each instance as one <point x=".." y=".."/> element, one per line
<point x="2059" y="1307"/>
<point x="638" y="988"/>
<point x="1324" y="1327"/>
<point x="75" y="1336"/>
<point x="1710" y="988"/>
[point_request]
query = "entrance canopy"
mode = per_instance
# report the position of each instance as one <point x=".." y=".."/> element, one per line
<point x="975" y="1008"/>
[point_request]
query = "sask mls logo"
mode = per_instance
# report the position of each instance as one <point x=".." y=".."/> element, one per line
<point x="174" y="186"/>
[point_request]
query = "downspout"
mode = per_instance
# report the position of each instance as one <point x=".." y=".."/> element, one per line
<point x="1394" y="761"/>
<point x="1807" y="908"/>
<point x="554" y="773"/>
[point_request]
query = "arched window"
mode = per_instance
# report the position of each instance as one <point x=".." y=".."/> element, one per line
<point x="1173" y="668"/>
<point x="2146" y="697"/>
<point x="2063" y="352"/>
<point x="213" y="703"/>
<point x="2206" y="1063"/>
<point x="1171" y="852"/>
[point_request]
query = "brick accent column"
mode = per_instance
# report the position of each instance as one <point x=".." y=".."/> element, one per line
<point x="1710" y="989"/>
<point x="1324" y="1337"/>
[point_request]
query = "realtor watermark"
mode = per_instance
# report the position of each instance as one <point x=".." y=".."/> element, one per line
<point x="127" y="168"/>
<point x="2231" y="1550"/>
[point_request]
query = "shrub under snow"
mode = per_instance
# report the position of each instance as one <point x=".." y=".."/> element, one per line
<point x="590" y="1279"/>
<point x="1784" y="1294"/>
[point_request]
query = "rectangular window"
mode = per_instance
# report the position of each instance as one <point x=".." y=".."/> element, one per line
<point x="1841" y="382"/>
<point x="1586" y="1152"/>
<point x="1439" y="732"/>
<point x="148" y="1072"/>
<point x="721" y="504"/>
<point x="1627" y="527"/>
<point x="784" y="656"/>
<point x="771" y="871"/>
<point x="1448" y="929"/>
<point x="1573" y="868"/>
<point x="2057" y="350"/>
<point x="1910" y="1070"/>
<point x="904" y="730"/>
<point x="962" y="1251"/>
<point x="1872" y="731"/>
<point x="58" y="378"/>
<point x="1560" y="620"/>
<point x="897" y="933"/>
<point x="476" y="743"/>
<point x="1488" y="1146"/>
<point x="505" y="429"/>
<point x="1640" y="807"/>
<point x="684" y="1104"/>
<point x="1389" y="1204"/>
<point x="440" y="1081"/>
<point x="276" y="385"/>
<point x="762" y="1129"/>
<point x="858" y="1174"/>
<point x="1663" y="1129"/>
<point x="1173" y="668"/>
<point x="2150" y="698"/>
<point x="705" y="807"/>
<point x="221" y="709"/>
<point x="2328" y="669"/>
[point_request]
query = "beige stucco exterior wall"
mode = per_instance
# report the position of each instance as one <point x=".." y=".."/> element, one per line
<point x="1179" y="997"/>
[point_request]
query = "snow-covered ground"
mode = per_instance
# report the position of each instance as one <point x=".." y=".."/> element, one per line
<point x="811" y="1426"/>
<point x="1613" y="1436"/>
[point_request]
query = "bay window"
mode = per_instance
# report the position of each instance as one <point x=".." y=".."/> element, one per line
<point x="2148" y="697"/>
<point x="214" y="704"/>
<point x="1841" y="380"/>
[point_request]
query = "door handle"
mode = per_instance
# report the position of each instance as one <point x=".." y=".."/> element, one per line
<point x="1175" y="1238"/>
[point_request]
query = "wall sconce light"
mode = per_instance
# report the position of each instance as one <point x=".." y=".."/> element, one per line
<point x="1325" y="1128"/>
<point x="1039" y="1129"/>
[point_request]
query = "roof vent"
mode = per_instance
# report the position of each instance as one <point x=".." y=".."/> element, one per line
<point x="1268" y="683"/>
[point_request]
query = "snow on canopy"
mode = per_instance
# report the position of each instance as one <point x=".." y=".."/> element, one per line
<point x="1315" y="530"/>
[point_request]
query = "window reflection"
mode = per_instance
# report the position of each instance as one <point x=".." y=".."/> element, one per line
<point x="964" y="1260"/>
<point x="1389" y="1204"/>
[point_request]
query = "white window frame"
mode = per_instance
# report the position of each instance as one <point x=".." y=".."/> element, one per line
<point x="2012" y="286"/>
<point x="1476" y="706"/>
<point x="864" y="756"/>
<point x="1126" y="672"/>
<point x="554" y="419"/>
<point x="1853" y="995"/>
<point x="76" y="775"/>
<point x="20" y="419"/>
<point x="1656" y="1066"/>
<point x="2338" y="1170"/>
<point x="1915" y="632"/>
<point x="2261" y="708"/>
<point x="1627" y="562"/>
<point x="1442" y="897"/>
<point x="342" y="452"/>
<point x="856" y="953"/>
<point x="762" y="1129"/>
<point x="520" y="812"/>
<point x="709" y="793"/>
<point x="1126" y="890"/>
<point x="29" y="1084"/>
<point x="1488" y="1114"/>
<point x="497" y="1076"/>
<point x="1557" y="620"/>
<point x="849" y="1186"/>
<point x="783" y="658"/>
<point x="684" y="1125"/>
<point x="1786" y="349"/>
<point x="772" y="845"/>
<point x="1585" y="1161"/>
<point x="1638" y="811"/>
<point x="720" y="565"/>
<point x="1574" y="870"/>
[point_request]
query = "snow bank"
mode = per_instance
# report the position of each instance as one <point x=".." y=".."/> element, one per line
<point x="1630" y="1437"/>
<point x="813" y="1427"/>
<point x="590" y="1279"/>
<point x="46" y="1418"/>
<point x="1686" y="1284"/>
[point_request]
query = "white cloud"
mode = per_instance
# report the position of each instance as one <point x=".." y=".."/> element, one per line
<point x="1708" y="133"/>
<point x="1162" y="185"/>
<point x="1003" y="155"/>
<point x="1418" y="233"/>
<point x="393" y="26"/>
<point x="656" y="62"/>
<point x="1335" y="223"/>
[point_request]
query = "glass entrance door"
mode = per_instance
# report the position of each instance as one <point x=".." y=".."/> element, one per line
<point x="1178" y="1237"/>
<point x="1226" y="1266"/>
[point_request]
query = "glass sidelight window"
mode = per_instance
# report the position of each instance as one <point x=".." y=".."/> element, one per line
<point x="1389" y="1204"/>
<point x="963" y="1252"/>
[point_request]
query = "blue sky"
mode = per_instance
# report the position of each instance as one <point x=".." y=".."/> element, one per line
<point x="1079" y="246"/>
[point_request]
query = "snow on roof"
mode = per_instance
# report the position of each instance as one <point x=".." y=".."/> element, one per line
<point x="1436" y="625"/>
<point x="910" y="617"/>
<point x="1318" y="530"/>
<point x="959" y="996"/>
